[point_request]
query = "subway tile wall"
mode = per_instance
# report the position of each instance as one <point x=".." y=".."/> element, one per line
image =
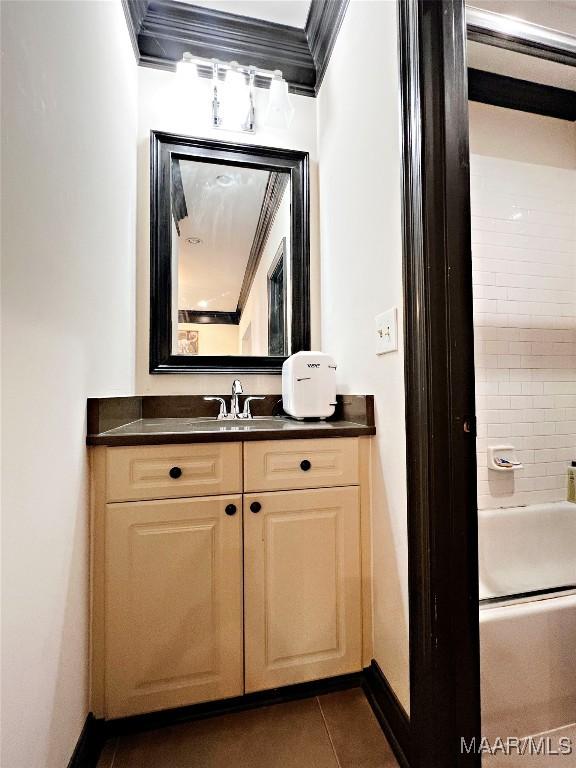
<point x="524" y="277"/>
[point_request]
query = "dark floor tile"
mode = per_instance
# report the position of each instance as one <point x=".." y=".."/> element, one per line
<point x="289" y="735"/>
<point x="356" y="735"/>
<point x="107" y="755"/>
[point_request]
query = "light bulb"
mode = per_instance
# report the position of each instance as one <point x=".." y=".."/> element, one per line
<point x="186" y="69"/>
<point x="235" y="99"/>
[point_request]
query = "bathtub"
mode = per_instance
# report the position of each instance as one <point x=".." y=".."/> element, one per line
<point x="528" y="666"/>
<point x="526" y="549"/>
<point x="527" y="642"/>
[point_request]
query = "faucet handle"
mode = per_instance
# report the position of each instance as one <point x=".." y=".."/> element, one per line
<point x="237" y="387"/>
<point x="223" y="414"/>
<point x="246" y="414"/>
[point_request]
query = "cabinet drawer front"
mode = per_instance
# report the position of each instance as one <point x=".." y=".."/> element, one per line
<point x="294" y="464"/>
<point x="173" y="471"/>
<point x="173" y="603"/>
<point x="302" y="596"/>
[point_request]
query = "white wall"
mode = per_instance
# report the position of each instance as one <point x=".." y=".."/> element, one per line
<point x="168" y="103"/>
<point x="214" y="338"/>
<point x="361" y="252"/>
<point x="523" y="193"/>
<point x="68" y="212"/>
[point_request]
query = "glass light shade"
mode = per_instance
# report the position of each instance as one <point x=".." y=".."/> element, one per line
<point x="186" y="69"/>
<point x="234" y="97"/>
<point x="280" y="111"/>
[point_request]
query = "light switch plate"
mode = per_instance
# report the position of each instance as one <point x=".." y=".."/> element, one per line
<point x="387" y="331"/>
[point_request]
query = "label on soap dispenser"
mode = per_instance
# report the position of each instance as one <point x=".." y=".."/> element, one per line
<point x="571" y="495"/>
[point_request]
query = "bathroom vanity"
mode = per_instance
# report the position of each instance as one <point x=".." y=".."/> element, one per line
<point x="230" y="547"/>
<point x="227" y="557"/>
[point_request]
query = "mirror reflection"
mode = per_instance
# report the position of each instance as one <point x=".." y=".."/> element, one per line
<point x="231" y="266"/>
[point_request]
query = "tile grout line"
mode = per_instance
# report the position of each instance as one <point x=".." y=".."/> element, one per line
<point x="328" y="732"/>
<point x="116" y="745"/>
<point x="113" y="758"/>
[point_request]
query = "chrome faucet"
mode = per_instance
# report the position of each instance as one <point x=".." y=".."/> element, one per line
<point x="234" y="404"/>
<point x="246" y="413"/>
<point x="235" y="412"/>
<point x="222" y="414"/>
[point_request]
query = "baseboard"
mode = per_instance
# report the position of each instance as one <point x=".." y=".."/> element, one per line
<point x="149" y="721"/>
<point x="389" y="712"/>
<point x="89" y="744"/>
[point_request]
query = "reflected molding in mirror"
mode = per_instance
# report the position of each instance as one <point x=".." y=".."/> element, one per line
<point x="213" y="255"/>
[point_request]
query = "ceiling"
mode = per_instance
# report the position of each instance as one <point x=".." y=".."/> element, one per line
<point x="290" y="12"/>
<point x="210" y="274"/>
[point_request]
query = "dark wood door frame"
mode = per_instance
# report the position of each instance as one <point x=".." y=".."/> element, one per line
<point x="439" y="370"/>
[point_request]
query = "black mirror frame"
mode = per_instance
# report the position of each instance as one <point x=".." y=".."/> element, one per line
<point x="162" y="147"/>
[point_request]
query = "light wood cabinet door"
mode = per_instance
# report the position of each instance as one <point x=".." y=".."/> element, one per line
<point x="173" y="603"/>
<point x="302" y="586"/>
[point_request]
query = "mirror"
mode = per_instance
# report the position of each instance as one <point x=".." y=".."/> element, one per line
<point x="230" y="248"/>
<point x="229" y="279"/>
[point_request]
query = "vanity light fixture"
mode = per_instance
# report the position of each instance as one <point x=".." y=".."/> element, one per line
<point x="233" y="95"/>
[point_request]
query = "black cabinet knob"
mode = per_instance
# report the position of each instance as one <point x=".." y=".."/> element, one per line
<point x="305" y="465"/>
<point x="230" y="509"/>
<point x="255" y="506"/>
<point x="175" y="473"/>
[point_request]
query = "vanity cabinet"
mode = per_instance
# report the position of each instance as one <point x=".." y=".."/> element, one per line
<point x="271" y="465"/>
<point x="172" y="471"/>
<point x="301" y="586"/>
<point x="223" y="568"/>
<point x="173" y="603"/>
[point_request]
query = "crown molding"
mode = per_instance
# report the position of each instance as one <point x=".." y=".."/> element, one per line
<point x="170" y="28"/>
<point x="322" y="27"/>
<point x="277" y="183"/>
<point x="162" y="30"/>
<point x="134" y="12"/>
<point x="197" y="316"/>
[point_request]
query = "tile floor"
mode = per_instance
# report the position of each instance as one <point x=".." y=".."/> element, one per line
<point x="336" y="730"/>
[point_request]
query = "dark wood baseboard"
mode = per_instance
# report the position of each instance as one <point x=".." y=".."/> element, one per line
<point x="389" y="712"/>
<point x="89" y="745"/>
<point x="167" y="717"/>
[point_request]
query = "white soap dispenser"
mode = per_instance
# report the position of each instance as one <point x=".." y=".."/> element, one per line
<point x="309" y="385"/>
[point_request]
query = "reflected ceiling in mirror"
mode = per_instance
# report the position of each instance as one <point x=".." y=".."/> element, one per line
<point x="230" y="253"/>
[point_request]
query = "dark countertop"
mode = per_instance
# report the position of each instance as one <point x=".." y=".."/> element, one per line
<point x="157" y="420"/>
<point x="178" y="430"/>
